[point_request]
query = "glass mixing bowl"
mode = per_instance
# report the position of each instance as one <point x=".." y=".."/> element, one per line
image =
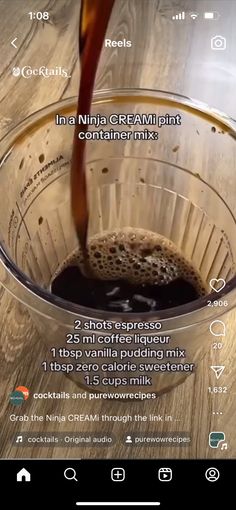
<point x="181" y="186"/>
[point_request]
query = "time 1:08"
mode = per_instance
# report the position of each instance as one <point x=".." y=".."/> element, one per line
<point x="39" y="15"/>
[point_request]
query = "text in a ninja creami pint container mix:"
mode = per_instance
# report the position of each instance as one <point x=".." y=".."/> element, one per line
<point x="105" y="125"/>
<point x="134" y="348"/>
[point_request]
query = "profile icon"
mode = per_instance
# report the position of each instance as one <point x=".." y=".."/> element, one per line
<point x="19" y="395"/>
<point x="128" y="440"/>
<point x="212" y="474"/>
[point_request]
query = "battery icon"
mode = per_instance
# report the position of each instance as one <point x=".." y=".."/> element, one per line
<point x="211" y="15"/>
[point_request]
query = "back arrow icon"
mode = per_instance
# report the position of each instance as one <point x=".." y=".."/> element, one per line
<point x="12" y="42"/>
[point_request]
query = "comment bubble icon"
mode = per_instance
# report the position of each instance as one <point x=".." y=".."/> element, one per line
<point x="217" y="328"/>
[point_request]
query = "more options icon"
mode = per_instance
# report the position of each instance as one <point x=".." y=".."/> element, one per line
<point x="164" y="474"/>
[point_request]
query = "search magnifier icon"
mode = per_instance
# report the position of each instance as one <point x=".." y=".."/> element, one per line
<point x="70" y="474"/>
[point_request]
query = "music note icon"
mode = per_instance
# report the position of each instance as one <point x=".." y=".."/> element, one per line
<point x="224" y="446"/>
<point x="19" y="439"/>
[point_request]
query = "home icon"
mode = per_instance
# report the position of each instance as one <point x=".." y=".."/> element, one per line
<point x="23" y="476"/>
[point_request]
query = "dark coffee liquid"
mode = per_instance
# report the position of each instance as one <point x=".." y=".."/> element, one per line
<point x="120" y="295"/>
<point x="135" y="271"/>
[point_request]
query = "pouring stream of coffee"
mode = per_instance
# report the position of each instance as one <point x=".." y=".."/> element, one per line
<point x="94" y="18"/>
<point x="131" y="271"/>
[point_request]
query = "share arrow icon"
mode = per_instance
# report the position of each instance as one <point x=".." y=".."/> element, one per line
<point x="218" y="370"/>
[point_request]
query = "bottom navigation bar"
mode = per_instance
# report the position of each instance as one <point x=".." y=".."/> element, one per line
<point x="77" y="483"/>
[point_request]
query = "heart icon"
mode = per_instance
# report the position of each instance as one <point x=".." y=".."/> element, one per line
<point x="219" y="282"/>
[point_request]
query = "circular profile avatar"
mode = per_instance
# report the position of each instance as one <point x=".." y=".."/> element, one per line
<point x="18" y="396"/>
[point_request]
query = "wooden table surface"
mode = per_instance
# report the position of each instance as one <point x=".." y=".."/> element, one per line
<point x="165" y="55"/>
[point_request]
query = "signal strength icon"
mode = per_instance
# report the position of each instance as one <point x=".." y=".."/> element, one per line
<point x="179" y="16"/>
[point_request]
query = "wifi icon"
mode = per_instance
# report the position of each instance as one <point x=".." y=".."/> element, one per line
<point x="193" y="15"/>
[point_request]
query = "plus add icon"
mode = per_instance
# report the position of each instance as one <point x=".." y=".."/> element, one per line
<point x="118" y="474"/>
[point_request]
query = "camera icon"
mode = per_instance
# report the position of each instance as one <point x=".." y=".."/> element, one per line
<point x="218" y="43"/>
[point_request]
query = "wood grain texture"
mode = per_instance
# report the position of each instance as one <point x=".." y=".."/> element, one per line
<point x="163" y="56"/>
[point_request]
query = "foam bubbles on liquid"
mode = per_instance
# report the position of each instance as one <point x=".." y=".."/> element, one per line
<point x="138" y="256"/>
